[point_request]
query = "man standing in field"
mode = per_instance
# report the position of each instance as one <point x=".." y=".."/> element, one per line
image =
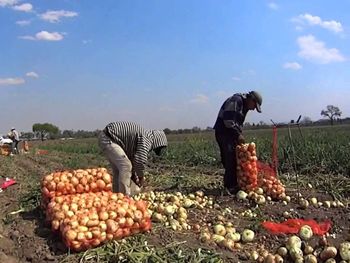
<point x="228" y="132"/>
<point x="126" y="146"/>
<point x="14" y="136"/>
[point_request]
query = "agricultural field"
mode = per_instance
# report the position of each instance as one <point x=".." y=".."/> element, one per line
<point x="313" y="165"/>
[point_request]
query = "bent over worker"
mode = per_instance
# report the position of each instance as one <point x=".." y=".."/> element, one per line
<point x="126" y="146"/>
<point x="228" y="132"/>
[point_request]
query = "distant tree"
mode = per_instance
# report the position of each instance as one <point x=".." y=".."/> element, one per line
<point x="196" y="129"/>
<point x="68" y="134"/>
<point x="27" y="135"/>
<point x="331" y="113"/>
<point x="167" y="131"/>
<point x="44" y="129"/>
<point x="306" y="120"/>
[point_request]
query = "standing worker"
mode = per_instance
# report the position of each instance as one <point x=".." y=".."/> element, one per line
<point x="228" y="132"/>
<point x="15" y="139"/>
<point x="126" y="146"/>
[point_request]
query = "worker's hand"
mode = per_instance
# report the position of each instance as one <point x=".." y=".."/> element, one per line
<point x="138" y="180"/>
<point x="241" y="139"/>
<point x="141" y="181"/>
<point x="134" y="178"/>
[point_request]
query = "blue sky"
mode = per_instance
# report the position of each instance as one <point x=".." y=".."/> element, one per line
<point x="169" y="64"/>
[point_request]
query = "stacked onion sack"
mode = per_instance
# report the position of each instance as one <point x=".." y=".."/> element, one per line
<point x="252" y="174"/>
<point x="75" y="181"/>
<point x="88" y="219"/>
<point x="247" y="172"/>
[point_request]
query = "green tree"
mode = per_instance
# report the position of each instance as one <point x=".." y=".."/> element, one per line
<point x="306" y="120"/>
<point x="68" y="133"/>
<point x="331" y="113"/>
<point x="45" y="129"/>
<point x="167" y="131"/>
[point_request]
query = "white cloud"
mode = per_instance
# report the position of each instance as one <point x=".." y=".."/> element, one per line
<point x="236" y="78"/>
<point x="86" y="41"/>
<point x="11" y="81"/>
<point x="200" y="98"/>
<point x="316" y="51"/>
<point x="7" y="2"/>
<point x="55" y="16"/>
<point x="292" y="65"/>
<point x="272" y="6"/>
<point x="26" y="7"/>
<point x="23" y="22"/>
<point x="27" y="37"/>
<point x="32" y="74"/>
<point x="45" y="36"/>
<point x="311" y="20"/>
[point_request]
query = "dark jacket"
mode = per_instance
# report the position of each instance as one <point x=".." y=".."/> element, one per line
<point x="231" y="116"/>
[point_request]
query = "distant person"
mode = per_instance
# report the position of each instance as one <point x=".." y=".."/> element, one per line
<point x="126" y="146"/>
<point x="14" y="136"/>
<point x="228" y="132"/>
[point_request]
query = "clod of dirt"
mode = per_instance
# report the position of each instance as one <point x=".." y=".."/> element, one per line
<point x="28" y="254"/>
<point x="15" y="235"/>
<point x="6" y="244"/>
<point x="49" y="257"/>
<point x="7" y="259"/>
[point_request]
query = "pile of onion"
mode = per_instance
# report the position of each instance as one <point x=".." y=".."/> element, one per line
<point x="247" y="172"/>
<point x="75" y="181"/>
<point x="90" y="219"/>
<point x="271" y="185"/>
<point x="249" y="177"/>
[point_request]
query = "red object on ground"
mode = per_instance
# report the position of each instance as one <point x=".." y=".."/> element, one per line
<point x="292" y="226"/>
<point x="266" y="169"/>
<point x="42" y="152"/>
<point x="8" y="183"/>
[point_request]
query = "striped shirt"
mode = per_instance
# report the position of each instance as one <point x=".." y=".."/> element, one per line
<point x="136" y="142"/>
<point x="232" y="115"/>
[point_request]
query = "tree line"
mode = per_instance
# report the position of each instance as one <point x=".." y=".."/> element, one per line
<point x="43" y="131"/>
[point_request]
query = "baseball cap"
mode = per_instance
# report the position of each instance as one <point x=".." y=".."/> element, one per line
<point x="257" y="98"/>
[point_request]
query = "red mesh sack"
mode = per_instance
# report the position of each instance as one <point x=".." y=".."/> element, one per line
<point x="7" y="183"/>
<point x="268" y="181"/>
<point x="252" y="173"/>
<point x="292" y="226"/>
<point x="247" y="172"/>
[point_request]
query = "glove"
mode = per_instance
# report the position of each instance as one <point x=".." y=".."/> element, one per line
<point x="241" y="139"/>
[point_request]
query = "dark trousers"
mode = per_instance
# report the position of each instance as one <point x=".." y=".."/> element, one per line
<point x="227" y="144"/>
<point x="15" y="149"/>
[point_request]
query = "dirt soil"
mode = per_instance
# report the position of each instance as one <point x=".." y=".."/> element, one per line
<point x="25" y="238"/>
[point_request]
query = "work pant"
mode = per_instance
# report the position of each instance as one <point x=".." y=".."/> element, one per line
<point x="15" y="147"/>
<point x="121" y="166"/>
<point x="227" y="144"/>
